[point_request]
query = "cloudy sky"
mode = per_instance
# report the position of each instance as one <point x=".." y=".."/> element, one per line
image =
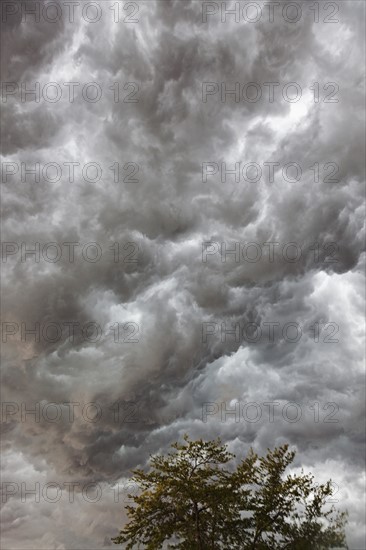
<point x="191" y="184"/>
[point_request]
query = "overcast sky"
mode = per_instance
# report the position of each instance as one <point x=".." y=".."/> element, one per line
<point x="143" y="151"/>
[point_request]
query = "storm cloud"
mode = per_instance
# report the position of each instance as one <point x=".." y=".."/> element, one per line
<point x="192" y="185"/>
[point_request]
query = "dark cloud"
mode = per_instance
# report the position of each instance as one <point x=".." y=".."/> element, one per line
<point x="163" y="381"/>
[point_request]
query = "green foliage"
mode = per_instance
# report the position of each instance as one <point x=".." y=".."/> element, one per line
<point x="190" y="500"/>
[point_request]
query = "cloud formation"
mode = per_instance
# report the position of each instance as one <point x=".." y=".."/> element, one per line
<point x="143" y="324"/>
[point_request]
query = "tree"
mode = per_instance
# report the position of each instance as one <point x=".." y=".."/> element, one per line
<point x="190" y="500"/>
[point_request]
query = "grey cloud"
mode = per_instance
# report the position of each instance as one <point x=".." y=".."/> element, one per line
<point x="170" y="292"/>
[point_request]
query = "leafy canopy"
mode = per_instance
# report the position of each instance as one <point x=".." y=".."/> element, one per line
<point x="191" y="500"/>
